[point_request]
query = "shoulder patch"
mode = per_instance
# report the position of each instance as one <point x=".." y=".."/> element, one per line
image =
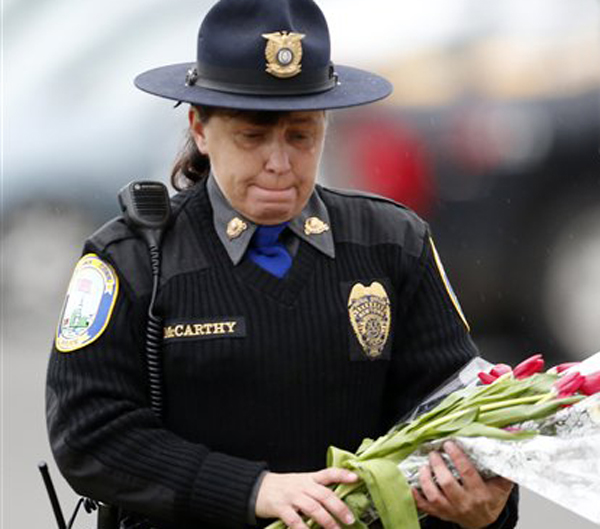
<point x="88" y="305"/>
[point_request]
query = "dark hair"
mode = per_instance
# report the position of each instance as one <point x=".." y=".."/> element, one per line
<point x="191" y="166"/>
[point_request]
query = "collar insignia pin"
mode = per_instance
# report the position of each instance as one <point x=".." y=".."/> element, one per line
<point x="235" y="228"/>
<point x="283" y="53"/>
<point x="315" y="226"/>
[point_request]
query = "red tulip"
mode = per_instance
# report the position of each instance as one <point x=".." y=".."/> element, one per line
<point x="569" y="384"/>
<point x="486" y="378"/>
<point x="495" y="373"/>
<point x="591" y="384"/>
<point x="563" y="367"/>
<point x="534" y="364"/>
<point x="500" y="369"/>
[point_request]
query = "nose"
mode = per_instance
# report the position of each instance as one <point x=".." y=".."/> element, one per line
<point x="278" y="159"/>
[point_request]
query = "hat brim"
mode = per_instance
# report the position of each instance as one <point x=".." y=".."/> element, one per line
<point x="355" y="87"/>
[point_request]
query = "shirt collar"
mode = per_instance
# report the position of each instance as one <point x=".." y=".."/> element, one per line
<point x="235" y="231"/>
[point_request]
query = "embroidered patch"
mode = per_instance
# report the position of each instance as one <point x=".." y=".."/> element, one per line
<point x="232" y="327"/>
<point x="89" y="304"/>
<point x="447" y="284"/>
<point x="370" y="314"/>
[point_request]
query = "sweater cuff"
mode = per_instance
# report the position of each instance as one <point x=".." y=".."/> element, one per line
<point x="251" y="518"/>
<point x="510" y="514"/>
<point x="223" y="488"/>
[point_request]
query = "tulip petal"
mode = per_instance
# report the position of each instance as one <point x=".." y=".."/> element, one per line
<point x="564" y="366"/>
<point x="500" y="369"/>
<point x="530" y="366"/>
<point x="591" y="384"/>
<point x="486" y="378"/>
<point x="569" y="384"/>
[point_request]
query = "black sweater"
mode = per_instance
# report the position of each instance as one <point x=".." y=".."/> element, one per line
<point x="288" y="381"/>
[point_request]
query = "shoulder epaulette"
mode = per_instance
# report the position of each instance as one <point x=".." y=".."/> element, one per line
<point x="355" y="193"/>
<point x="370" y="219"/>
<point x="127" y="252"/>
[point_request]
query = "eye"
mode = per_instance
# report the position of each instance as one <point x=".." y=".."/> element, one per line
<point x="302" y="138"/>
<point x="252" y="135"/>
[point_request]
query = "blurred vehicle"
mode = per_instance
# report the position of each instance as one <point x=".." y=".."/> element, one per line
<point x="492" y="135"/>
<point x="511" y="187"/>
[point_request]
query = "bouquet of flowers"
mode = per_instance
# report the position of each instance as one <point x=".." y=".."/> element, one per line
<point x="538" y="429"/>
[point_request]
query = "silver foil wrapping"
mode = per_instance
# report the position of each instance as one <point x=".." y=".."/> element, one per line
<point x="561" y="463"/>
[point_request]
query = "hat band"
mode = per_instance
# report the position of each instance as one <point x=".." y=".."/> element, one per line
<point x="261" y="83"/>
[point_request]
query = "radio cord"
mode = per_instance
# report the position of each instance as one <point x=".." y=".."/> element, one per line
<point x="154" y="330"/>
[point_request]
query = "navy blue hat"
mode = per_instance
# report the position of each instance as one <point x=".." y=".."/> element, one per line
<point x="264" y="55"/>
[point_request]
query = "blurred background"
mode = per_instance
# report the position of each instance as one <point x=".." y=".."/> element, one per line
<point x="492" y="135"/>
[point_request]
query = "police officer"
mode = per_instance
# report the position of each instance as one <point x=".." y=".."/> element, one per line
<point x="294" y="317"/>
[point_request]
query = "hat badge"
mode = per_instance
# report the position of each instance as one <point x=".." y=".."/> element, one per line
<point x="283" y="53"/>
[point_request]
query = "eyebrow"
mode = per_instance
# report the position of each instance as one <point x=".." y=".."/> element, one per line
<point x="301" y="120"/>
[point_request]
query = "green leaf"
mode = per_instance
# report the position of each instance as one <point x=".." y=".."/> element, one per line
<point x="481" y="430"/>
<point x="366" y="442"/>
<point x="358" y="503"/>
<point x="519" y="414"/>
<point x="459" y="422"/>
<point x="390" y="492"/>
<point x="338" y="458"/>
<point x="443" y="407"/>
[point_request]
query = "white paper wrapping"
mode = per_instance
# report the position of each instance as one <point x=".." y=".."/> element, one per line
<point x="561" y="464"/>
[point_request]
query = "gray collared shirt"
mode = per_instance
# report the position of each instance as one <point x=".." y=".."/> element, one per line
<point x="236" y="247"/>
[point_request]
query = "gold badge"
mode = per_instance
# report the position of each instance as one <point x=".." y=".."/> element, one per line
<point x="370" y="315"/>
<point x="283" y="53"/>
<point x="315" y="226"/>
<point x="235" y="228"/>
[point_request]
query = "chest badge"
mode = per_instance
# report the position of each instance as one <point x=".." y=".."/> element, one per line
<point x="370" y="315"/>
<point x="283" y="53"/>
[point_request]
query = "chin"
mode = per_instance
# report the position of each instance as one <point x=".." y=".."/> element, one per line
<point x="273" y="216"/>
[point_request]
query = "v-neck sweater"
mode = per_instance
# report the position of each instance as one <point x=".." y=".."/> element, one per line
<point x="288" y="381"/>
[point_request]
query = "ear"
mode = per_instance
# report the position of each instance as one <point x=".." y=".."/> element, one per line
<point x="197" y="130"/>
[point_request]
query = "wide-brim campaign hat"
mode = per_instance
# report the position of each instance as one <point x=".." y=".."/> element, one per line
<point x="264" y="55"/>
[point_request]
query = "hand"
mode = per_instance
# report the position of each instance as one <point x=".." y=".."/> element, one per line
<point x="284" y="496"/>
<point x="473" y="504"/>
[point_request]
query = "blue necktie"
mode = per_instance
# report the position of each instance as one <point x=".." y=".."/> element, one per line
<point x="267" y="252"/>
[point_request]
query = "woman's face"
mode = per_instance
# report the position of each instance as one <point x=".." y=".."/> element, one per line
<point x="266" y="171"/>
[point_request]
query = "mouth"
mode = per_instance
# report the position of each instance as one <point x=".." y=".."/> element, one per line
<point x="266" y="194"/>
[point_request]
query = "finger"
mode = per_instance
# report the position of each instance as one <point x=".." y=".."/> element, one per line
<point x="437" y="502"/>
<point x="445" y="479"/>
<point x="332" y="503"/>
<point x="292" y="519"/>
<point x="420" y="501"/>
<point x="328" y="476"/>
<point x="468" y="473"/>
<point x="315" y="511"/>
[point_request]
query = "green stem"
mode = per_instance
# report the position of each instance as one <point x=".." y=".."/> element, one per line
<point x="515" y="402"/>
